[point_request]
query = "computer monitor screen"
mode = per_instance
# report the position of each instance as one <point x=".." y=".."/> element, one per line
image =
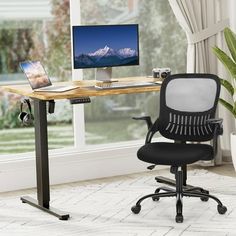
<point x="105" y="46"/>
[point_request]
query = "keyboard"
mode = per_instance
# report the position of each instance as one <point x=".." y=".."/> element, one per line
<point x="114" y="85"/>
<point x="55" y="88"/>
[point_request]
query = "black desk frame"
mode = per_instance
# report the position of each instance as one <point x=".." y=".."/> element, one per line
<point x="41" y="133"/>
<point x="42" y="167"/>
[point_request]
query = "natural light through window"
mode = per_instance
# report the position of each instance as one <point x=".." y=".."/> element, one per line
<point x="41" y="33"/>
<point x="162" y="43"/>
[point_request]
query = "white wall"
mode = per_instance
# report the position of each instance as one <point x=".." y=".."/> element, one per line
<point x="71" y="167"/>
<point x="232" y="9"/>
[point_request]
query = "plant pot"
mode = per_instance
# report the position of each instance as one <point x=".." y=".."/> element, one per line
<point x="233" y="148"/>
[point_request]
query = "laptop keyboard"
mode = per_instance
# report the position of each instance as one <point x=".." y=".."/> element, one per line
<point x="55" y="87"/>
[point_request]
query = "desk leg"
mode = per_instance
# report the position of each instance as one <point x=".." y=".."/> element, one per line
<point x="42" y="170"/>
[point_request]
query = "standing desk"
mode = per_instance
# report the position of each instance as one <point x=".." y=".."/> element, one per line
<point x="40" y="99"/>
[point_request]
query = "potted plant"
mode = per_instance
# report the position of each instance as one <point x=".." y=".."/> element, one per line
<point x="229" y="61"/>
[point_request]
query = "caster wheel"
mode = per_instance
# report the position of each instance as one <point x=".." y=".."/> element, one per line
<point x="155" y="199"/>
<point x="179" y="219"/>
<point x="136" y="209"/>
<point x="205" y="199"/>
<point x="221" y="209"/>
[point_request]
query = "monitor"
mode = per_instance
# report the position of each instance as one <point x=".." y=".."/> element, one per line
<point x="96" y="46"/>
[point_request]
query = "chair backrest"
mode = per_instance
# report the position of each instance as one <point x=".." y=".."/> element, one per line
<point x="187" y="101"/>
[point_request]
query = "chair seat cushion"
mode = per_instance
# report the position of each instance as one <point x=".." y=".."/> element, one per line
<point x="174" y="154"/>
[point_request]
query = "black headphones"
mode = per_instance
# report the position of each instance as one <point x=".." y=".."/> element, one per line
<point x="26" y="117"/>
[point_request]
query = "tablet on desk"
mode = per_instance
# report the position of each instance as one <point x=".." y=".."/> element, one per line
<point x="39" y="80"/>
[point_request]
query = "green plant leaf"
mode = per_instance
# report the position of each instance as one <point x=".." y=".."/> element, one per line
<point x="234" y="110"/>
<point x="230" y="39"/>
<point x="228" y="86"/>
<point x="226" y="60"/>
<point x="228" y="106"/>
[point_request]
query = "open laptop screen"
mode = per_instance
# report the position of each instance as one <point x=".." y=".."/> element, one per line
<point x="36" y="74"/>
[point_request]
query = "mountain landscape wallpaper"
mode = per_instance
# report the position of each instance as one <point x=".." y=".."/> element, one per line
<point x="105" y="46"/>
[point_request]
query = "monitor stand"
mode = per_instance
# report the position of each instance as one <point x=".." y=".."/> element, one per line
<point x="103" y="74"/>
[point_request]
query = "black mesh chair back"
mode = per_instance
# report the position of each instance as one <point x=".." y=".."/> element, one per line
<point x="186" y="105"/>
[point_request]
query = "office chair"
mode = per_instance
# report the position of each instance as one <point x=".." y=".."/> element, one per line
<point x="187" y="116"/>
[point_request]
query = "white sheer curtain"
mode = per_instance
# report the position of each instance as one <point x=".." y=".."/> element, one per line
<point x="203" y="22"/>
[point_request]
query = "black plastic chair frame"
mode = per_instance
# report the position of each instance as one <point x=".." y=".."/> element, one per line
<point x="180" y="183"/>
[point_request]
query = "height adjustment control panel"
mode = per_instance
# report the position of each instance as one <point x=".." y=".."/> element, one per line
<point x="80" y="100"/>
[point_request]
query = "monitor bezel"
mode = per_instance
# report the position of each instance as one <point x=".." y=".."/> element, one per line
<point x="93" y="67"/>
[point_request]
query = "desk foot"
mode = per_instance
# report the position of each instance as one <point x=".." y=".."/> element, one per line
<point x="59" y="214"/>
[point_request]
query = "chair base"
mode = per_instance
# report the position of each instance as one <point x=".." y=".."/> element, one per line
<point x="187" y="187"/>
<point x="171" y="182"/>
<point x="180" y="192"/>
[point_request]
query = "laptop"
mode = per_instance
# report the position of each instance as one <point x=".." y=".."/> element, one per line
<point x="38" y="78"/>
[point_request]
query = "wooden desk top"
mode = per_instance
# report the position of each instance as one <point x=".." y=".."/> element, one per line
<point x="86" y="89"/>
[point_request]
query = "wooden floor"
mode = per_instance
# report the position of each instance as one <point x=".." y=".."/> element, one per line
<point x="102" y="207"/>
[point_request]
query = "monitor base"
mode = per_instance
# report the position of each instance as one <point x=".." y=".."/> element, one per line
<point x="103" y="74"/>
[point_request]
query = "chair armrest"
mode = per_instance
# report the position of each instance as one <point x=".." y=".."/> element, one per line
<point x="145" y="118"/>
<point x="153" y="129"/>
<point x="217" y="125"/>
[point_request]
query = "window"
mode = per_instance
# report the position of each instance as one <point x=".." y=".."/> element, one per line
<point x="34" y="30"/>
<point x="40" y="30"/>
<point x="162" y="44"/>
